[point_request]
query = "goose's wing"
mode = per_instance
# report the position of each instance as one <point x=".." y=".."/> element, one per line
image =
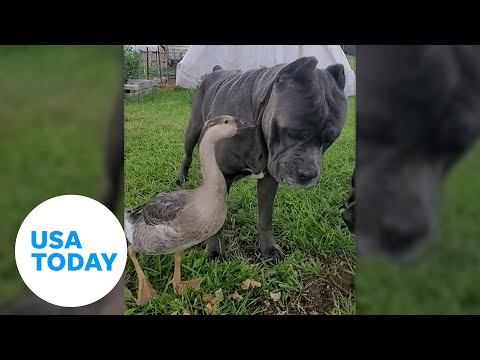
<point x="164" y="207"/>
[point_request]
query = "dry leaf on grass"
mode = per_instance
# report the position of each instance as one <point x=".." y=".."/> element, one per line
<point x="211" y="308"/>
<point x="255" y="284"/>
<point x="219" y="296"/>
<point x="185" y="312"/>
<point x="275" y="295"/>
<point x="235" y="296"/>
<point x="208" y="298"/>
<point x="250" y="283"/>
<point x="213" y="300"/>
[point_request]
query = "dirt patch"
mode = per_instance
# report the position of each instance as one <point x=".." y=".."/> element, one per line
<point x="250" y="253"/>
<point x="317" y="295"/>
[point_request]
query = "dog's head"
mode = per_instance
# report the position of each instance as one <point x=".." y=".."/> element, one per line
<point x="305" y="114"/>
<point x="418" y="112"/>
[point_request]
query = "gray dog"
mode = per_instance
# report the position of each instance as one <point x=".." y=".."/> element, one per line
<point x="299" y="111"/>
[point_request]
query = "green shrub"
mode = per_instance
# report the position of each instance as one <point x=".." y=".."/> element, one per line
<point x="132" y="63"/>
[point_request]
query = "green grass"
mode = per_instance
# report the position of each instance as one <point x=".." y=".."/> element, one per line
<point x="317" y="275"/>
<point x="446" y="281"/>
<point x="55" y="102"/>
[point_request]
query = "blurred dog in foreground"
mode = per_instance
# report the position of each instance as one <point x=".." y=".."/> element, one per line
<point x="418" y="111"/>
<point x="113" y="303"/>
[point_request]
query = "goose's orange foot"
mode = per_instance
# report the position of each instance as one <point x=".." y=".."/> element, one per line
<point x="181" y="286"/>
<point x="146" y="292"/>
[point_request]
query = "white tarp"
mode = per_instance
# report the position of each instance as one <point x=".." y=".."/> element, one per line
<point x="200" y="60"/>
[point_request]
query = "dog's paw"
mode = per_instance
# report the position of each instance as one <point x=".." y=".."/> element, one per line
<point x="180" y="180"/>
<point x="273" y="253"/>
<point x="220" y="255"/>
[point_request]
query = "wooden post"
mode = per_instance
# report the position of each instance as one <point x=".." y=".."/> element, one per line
<point x="175" y="68"/>
<point x="148" y="65"/>
<point x="167" y="53"/>
<point x="159" y="63"/>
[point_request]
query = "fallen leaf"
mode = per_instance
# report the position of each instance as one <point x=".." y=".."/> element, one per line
<point x="186" y="312"/>
<point x="219" y="296"/>
<point x="250" y="283"/>
<point x="211" y="308"/>
<point x="254" y="284"/>
<point x="209" y="298"/>
<point x="190" y="284"/>
<point x="212" y="301"/>
<point x="246" y="284"/>
<point x="235" y="296"/>
<point x="275" y="295"/>
<point x="174" y="313"/>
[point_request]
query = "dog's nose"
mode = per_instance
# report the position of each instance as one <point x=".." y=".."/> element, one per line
<point x="307" y="175"/>
<point x="399" y="240"/>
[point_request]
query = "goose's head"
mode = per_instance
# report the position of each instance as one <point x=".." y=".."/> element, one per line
<point x="224" y="126"/>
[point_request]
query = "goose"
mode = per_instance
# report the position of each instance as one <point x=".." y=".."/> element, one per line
<point x="174" y="221"/>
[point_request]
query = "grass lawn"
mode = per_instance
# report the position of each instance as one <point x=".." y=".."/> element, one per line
<point x="317" y="276"/>
<point x="446" y="282"/>
<point x="55" y="102"/>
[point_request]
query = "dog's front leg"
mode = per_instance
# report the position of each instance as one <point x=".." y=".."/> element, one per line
<point x="266" y="192"/>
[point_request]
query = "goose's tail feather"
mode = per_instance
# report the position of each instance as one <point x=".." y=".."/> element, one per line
<point x="128" y="225"/>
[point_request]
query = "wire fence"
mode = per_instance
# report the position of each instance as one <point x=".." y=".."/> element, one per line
<point x="157" y="62"/>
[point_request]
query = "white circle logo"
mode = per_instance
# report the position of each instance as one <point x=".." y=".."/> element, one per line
<point x="71" y="250"/>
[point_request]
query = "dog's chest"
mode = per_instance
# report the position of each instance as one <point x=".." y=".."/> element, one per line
<point x="259" y="175"/>
<point x="255" y="175"/>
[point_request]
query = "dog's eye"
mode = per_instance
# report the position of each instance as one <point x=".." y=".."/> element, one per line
<point x="226" y="121"/>
<point x="298" y="134"/>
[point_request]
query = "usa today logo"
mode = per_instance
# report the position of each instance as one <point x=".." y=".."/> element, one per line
<point x="71" y="251"/>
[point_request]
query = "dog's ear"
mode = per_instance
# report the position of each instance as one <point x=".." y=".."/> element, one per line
<point x="338" y="73"/>
<point x="301" y="69"/>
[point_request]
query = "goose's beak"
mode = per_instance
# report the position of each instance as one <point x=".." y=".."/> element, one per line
<point x="243" y="125"/>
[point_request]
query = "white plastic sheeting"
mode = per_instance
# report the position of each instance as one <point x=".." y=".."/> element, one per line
<point x="200" y="60"/>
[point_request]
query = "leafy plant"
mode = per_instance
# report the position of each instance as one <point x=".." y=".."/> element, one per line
<point x="132" y="66"/>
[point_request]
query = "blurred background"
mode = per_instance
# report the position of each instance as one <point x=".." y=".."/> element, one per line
<point x="56" y="106"/>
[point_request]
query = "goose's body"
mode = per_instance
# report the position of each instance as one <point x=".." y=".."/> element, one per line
<point x="172" y="222"/>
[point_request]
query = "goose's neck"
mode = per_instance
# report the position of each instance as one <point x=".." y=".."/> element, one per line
<point x="213" y="179"/>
